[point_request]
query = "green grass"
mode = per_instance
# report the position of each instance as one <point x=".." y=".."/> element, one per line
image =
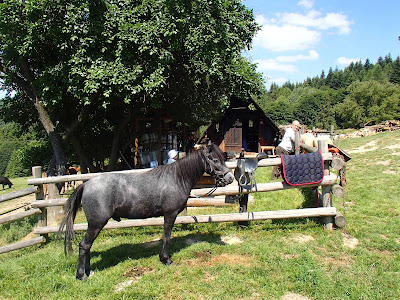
<point x="271" y="258"/>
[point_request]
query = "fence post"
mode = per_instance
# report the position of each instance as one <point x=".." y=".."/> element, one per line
<point x="37" y="173"/>
<point x="297" y="142"/>
<point x="326" y="189"/>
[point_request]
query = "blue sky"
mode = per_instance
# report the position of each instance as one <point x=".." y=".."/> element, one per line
<point x="300" y="38"/>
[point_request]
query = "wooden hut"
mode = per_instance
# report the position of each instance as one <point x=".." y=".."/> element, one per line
<point x="243" y="125"/>
<point x="156" y="134"/>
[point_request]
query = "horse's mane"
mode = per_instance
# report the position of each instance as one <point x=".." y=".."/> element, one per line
<point x="190" y="167"/>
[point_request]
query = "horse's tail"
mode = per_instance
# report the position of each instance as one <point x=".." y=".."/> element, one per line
<point x="70" y="209"/>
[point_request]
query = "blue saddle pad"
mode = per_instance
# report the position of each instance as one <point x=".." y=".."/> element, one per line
<point x="303" y="169"/>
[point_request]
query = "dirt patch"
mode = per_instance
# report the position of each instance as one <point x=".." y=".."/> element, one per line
<point x="350" y="241"/>
<point x="342" y="261"/>
<point x="231" y="240"/>
<point x="16" y="205"/>
<point x="383" y="162"/>
<point x="293" y="296"/>
<point x="395" y="146"/>
<point x="302" y="239"/>
<point x="133" y="275"/>
<point x="206" y="258"/>
<point x="290" y="256"/>
<point x="371" y="146"/>
<point x="390" y="172"/>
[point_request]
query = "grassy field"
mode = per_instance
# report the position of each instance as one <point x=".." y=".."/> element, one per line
<point x="286" y="259"/>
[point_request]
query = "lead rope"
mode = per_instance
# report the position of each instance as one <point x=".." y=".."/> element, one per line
<point x="209" y="193"/>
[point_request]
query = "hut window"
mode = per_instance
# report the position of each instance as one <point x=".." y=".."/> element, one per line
<point x="250" y="123"/>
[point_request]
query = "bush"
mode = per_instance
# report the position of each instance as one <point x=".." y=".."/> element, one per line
<point x="35" y="153"/>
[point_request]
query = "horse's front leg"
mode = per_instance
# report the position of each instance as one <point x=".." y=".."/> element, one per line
<point x="168" y="224"/>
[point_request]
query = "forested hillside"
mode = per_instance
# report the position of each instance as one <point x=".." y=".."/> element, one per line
<point x="361" y="93"/>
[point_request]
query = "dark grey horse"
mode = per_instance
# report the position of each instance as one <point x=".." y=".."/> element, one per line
<point x="162" y="191"/>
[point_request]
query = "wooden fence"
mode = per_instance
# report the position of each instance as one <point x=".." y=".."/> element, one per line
<point x="40" y="205"/>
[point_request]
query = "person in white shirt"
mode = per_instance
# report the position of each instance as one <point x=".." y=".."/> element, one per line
<point x="172" y="156"/>
<point x="286" y="146"/>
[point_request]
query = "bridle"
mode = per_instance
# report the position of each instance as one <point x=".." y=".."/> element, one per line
<point x="210" y="169"/>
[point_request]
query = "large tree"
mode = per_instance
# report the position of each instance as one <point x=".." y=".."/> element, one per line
<point x="91" y="67"/>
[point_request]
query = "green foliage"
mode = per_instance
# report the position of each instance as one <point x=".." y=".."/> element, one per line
<point x="121" y="59"/>
<point x="345" y="98"/>
<point x="10" y="140"/>
<point x="6" y="150"/>
<point x="14" y="231"/>
<point x="35" y="153"/>
<point x="281" y="111"/>
<point x="369" y="101"/>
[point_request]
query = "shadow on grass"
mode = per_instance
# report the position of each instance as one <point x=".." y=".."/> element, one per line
<point x="120" y="253"/>
<point x="310" y="201"/>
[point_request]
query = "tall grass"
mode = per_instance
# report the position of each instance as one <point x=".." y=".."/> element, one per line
<point x="266" y="260"/>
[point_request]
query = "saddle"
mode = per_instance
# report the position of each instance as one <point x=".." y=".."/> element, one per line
<point x="303" y="169"/>
<point x="245" y="171"/>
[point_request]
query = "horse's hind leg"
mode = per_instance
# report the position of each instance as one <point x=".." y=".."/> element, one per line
<point x="84" y="268"/>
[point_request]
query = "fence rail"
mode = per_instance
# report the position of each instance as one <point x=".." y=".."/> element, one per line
<point x="18" y="216"/>
<point x="214" y="218"/>
<point x="18" y="194"/>
<point x="40" y="205"/>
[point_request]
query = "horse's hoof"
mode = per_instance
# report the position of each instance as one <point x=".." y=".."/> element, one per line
<point x="167" y="262"/>
<point x="83" y="276"/>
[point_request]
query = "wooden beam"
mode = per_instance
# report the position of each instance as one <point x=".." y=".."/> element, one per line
<point x="340" y="220"/>
<point x="16" y="246"/>
<point x="228" y="190"/>
<point x="20" y="215"/>
<point x="234" y="217"/>
<point x="17" y="194"/>
<point x="49" y="202"/>
<point x="262" y="187"/>
<point x="267" y="162"/>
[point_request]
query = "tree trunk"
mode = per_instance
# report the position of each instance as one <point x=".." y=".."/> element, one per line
<point x="26" y="84"/>
<point x="53" y="137"/>
<point x="116" y="142"/>
<point x="85" y="162"/>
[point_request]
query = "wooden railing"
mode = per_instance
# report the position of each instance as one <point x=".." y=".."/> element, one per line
<point x="40" y="205"/>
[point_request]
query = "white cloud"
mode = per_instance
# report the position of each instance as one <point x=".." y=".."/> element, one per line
<point x="279" y="80"/>
<point x="306" y="3"/>
<point x="282" y="63"/>
<point x="296" y="31"/>
<point x="314" y="19"/>
<point x="346" y="61"/>
<point x="312" y="55"/>
<point x="274" y="65"/>
<point x="286" y="37"/>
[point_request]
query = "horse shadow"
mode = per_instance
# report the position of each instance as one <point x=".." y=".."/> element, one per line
<point x="135" y="251"/>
